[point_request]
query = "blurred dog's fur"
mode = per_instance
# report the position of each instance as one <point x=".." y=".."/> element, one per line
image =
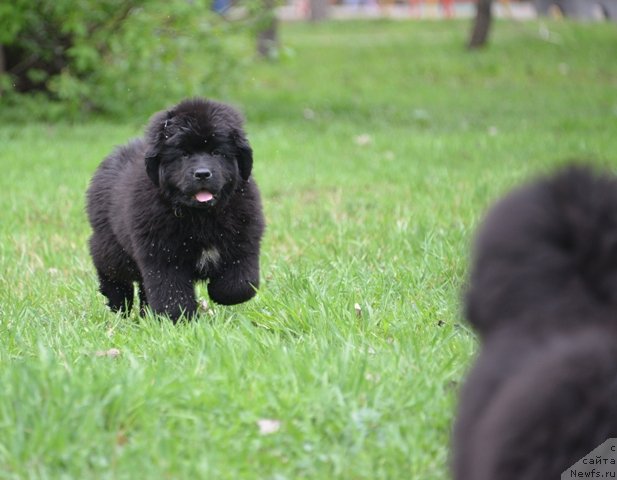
<point x="176" y="207"/>
<point x="542" y="296"/>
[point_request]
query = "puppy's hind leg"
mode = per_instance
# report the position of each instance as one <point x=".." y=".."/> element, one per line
<point x="119" y="294"/>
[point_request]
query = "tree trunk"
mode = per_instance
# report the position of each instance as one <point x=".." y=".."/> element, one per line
<point x="319" y="10"/>
<point x="267" y="40"/>
<point x="482" y="24"/>
<point x="267" y="36"/>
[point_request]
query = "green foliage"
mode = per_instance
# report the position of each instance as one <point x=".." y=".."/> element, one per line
<point x="114" y="56"/>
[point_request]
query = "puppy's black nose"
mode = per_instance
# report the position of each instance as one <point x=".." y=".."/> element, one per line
<point x="202" y="174"/>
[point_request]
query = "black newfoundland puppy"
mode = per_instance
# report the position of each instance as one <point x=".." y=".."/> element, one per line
<point x="543" y="298"/>
<point x="177" y="207"/>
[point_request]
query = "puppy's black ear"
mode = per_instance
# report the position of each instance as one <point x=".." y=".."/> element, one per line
<point x="245" y="154"/>
<point x="156" y="134"/>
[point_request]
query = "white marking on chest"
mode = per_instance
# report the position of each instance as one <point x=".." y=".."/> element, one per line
<point x="209" y="257"/>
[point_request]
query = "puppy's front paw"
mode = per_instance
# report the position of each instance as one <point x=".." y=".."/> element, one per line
<point x="232" y="291"/>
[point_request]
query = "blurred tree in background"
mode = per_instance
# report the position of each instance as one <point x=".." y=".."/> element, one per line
<point x="113" y="56"/>
<point x="318" y="10"/>
<point x="267" y="29"/>
<point x="481" y="24"/>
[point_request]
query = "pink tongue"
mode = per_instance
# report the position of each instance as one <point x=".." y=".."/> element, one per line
<point x="203" y="196"/>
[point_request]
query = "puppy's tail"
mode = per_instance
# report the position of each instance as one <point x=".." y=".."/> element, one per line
<point x="548" y="246"/>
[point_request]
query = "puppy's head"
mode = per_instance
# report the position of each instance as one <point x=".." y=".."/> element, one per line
<point x="197" y="152"/>
<point x="547" y="252"/>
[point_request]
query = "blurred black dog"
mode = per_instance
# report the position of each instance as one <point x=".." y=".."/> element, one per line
<point x="543" y="297"/>
<point x="177" y="207"/>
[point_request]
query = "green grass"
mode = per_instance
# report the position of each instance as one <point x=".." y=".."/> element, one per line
<point x="377" y="148"/>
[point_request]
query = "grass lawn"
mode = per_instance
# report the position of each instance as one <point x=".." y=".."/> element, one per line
<point x="377" y="148"/>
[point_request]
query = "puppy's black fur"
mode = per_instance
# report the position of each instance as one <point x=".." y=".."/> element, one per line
<point x="175" y="207"/>
<point x="543" y="298"/>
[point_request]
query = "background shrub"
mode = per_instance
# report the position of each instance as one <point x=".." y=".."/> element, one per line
<point x="111" y="56"/>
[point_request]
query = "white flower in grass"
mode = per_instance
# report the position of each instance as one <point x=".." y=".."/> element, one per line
<point x="363" y="139"/>
<point x="268" y="426"/>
